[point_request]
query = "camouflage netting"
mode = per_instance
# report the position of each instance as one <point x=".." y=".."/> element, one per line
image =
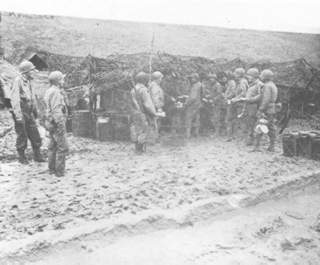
<point x="112" y="77"/>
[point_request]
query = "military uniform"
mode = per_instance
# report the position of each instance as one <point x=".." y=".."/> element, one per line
<point x="143" y="117"/>
<point x="268" y="108"/>
<point x="157" y="96"/>
<point x="24" y="112"/>
<point x="192" y="109"/>
<point x="56" y="120"/>
<point x="253" y="97"/>
<point x="219" y="108"/>
<point x="231" y="114"/>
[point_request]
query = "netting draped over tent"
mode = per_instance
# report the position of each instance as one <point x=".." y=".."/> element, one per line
<point x="115" y="73"/>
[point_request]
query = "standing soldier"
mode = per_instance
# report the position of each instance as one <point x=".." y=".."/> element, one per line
<point x="157" y="94"/>
<point x="56" y="124"/>
<point x="193" y="105"/>
<point x="231" y="114"/>
<point x="267" y="108"/>
<point x="241" y="90"/>
<point x="24" y="110"/>
<point x="144" y="113"/>
<point x="252" y="100"/>
<point x="219" y="109"/>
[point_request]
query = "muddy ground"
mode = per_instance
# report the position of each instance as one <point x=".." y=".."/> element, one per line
<point x="107" y="179"/>
<point x="284" y="231"/>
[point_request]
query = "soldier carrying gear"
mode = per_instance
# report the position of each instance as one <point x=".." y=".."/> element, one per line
<point x="24" y="111"/>
<point x="144" y="113"/>
<point x="251" y="100"/>
<point x="267" y="108"/>
<point x="56" y="116"/>
<point x="193" y="105"/>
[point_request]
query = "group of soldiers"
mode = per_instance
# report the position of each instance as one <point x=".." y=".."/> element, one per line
<point x="242" y="102"/>
<point x="23" y="107"/>
<point x="238" y="98"/>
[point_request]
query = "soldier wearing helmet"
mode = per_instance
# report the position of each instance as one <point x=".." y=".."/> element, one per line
<point x="193" y="105"/>
<point x="251" y="100"/>
<point x="267" y="108"/>
<point x="144" y="113"/>
<point x="24" y="110"/>
<point x="232" y="96"/>
<point x="219" y="103"/>
<point x="56" y="116"/>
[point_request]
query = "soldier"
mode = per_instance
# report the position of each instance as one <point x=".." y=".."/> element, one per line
<point x="56" y="124"/>
<point x="193" y="105"/>
<point x="219" y="102"/>
<point x="24" y="110"/>
<point x="144" y="113"/>
<point x="231" y="110"/>
<point x="267" y="108"/>
<point x="157" y="94"/>
<point x="252" y="100"/>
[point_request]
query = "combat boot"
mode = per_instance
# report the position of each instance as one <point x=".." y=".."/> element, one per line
<point x="37" y="156"/>
<point x="22" y="158"/>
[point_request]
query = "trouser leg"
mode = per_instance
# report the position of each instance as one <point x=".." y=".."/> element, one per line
<point x="188" y="123"/>
<point x="197" y="123"/>
<point x="251" y="122"/>
<point x="272" y="132"/>
<point x="22" y="136"/>
<point x="62" y="148"/>
<point x="33" y="133"/>
<point x="52" y="151"/>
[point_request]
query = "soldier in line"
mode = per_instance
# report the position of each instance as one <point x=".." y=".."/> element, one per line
<point x="25" y="113"/>
<point x="267" y="108"/>
<point x="219" y="103"/>
<point x="56" y="117"/>
<point x="231" y="114"/>
<point x="193" y="105"/>
<point x="251" y="100"/>
<point x="144" y="113"/>
<point x="157" y="95"/>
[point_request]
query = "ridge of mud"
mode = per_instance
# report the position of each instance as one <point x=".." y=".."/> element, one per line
<point x="152" y="220"/>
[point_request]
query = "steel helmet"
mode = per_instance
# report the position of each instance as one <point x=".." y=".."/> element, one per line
<point x="56" y="76"/>
<point x="26" y="66"/>
<point x="266" y="75"/>
<point x="142" y="78"/>
<point x="156" y="75"/>
<point x="194" y="76"/>
<point x="254" y="72"/>
<point x="239" y="72"/>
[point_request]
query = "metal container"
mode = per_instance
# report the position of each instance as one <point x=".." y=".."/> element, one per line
<point x="315" y="147"/>
<point x="82" y="123"/>
<point x="304" y="145"/>
<point x="289" y="144"/>
<point x="104" y="129"/>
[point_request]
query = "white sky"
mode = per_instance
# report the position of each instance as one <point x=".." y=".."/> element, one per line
<point x="283" y="15"/>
